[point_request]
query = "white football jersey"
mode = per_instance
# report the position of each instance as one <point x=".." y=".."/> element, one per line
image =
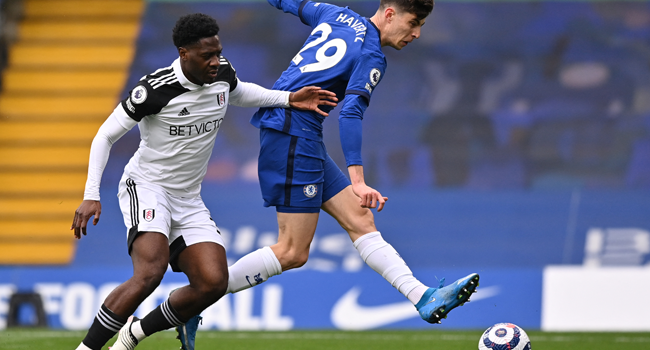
<point x="178" y="123"/>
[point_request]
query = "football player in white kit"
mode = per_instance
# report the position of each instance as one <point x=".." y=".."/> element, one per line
<point x="179" y="110"/>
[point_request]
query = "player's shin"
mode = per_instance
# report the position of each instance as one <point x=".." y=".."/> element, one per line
<point x="385" y="260"/>
<point x="253" y="269"/>
<point x="104" y="327"/>
<point x="161" y="318"/>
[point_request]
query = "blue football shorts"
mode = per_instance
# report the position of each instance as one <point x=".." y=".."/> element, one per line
<point x="296" y="174"/>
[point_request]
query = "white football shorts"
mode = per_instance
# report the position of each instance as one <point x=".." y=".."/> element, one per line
<point x="148" y="207"/>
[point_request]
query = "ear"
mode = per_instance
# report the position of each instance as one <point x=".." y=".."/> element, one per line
<point x="183" y="53"/>
<point x="389" y="14"/>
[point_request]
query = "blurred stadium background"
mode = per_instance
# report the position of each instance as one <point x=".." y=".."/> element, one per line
<point x="513" y="140"/>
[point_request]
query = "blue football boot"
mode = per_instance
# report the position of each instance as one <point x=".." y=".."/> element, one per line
<point x="436" y="303"/>
<point x="187" y="332"/>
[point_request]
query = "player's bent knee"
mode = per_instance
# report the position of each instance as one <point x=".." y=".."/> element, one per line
<point x="361" y="224"/>
<point x="296" y="260"/>
<point x="290" y="256"/>
<point x="216" y="288"/>
<point x="210" y="286"/>
<point x="147" y="284"/>
<point x="210" y="293"/>
<point x="149" y="276"/>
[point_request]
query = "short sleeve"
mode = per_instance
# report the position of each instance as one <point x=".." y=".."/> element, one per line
<point x="227" y="73"/>
<point x="368" y="72"/>
<point x="141" y="102"/>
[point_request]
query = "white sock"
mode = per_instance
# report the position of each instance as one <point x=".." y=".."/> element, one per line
<point x="136" y="329"/>
<point x="253" y="269"/>
<point x="384" y="259"/>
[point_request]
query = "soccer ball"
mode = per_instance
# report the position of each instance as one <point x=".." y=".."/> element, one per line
<point x="504" y="336"/>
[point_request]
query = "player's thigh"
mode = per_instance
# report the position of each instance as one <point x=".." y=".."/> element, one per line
<point x="345" y="208"/>
<point x="296" y="231"/>
<point x="192" y="225"/>
<point x="205" y="265"/>
<point x="145" y="208"/>
<point x="150" y="255"/>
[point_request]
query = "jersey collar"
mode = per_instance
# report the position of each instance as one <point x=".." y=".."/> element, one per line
<point x="176" y="65"/>
<point x="377" y="29"/>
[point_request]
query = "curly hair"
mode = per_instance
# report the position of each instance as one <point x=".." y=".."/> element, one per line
<point x="420" y="8"/>
<point x="190" y="29"/>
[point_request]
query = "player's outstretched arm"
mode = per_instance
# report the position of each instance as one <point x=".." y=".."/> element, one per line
<point x="82" y="215"/>
<point x="307" y="98"/>
<point x="310" y="97"/>
<point x="111" y="130"/>
<point x="368" y="196"/>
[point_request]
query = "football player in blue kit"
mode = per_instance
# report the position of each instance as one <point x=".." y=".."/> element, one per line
<point x="344" y="55"/>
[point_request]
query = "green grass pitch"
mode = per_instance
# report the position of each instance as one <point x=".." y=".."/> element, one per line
<point x="19" y="339"/>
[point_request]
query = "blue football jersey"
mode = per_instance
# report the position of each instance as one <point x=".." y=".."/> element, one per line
<point x="342" y="54"/>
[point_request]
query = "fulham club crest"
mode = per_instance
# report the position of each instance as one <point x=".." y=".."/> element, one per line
<point x="221" y="99"/>
<point x="148" y="214"/>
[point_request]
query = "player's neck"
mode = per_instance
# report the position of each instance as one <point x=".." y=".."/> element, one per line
<point x="378" y="21"/>
<point x="375" y="19"/>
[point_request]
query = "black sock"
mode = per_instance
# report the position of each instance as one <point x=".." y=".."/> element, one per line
<point x="104" y="327"/>
<point x="161" y="318"/>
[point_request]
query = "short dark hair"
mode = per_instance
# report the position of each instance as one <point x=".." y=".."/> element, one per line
<point x="420" y="8"/>
<point x="190" y="29"/>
